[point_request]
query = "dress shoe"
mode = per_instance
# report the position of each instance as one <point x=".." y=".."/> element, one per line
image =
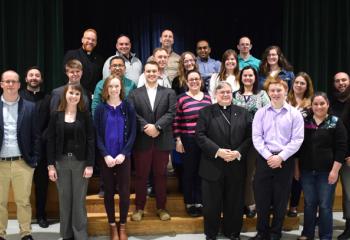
<point x="27" y="237"/>
<point x="292" y="213"/>
<point x="199" y="211"/>
<point x="43" y="223"/>
<point x="72" y="238"/>
<point x="192" y="211"/>
<point x="346" y="234"/>
<point x="233" y="237"/>
<point x="210" y="238"/>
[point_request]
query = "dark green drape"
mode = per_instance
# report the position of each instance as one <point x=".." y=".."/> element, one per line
<point x="316" y="38"/>
<point x="32" y="34"/>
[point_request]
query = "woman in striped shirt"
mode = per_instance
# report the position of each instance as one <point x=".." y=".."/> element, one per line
<point x="188" y="106"/>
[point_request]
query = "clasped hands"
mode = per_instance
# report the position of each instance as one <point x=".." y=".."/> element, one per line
<point x="275" y="161"/>
<point x="111" y="162"/>
<point x="228" y="155"/>
<point x="151" y="130"/>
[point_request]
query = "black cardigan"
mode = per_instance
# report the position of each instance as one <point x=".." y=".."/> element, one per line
<point x="84" y="142"/>
<point x="323" y="144"/>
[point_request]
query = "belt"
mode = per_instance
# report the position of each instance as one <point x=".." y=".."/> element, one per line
<point x="69" y="154"/>
<point x="11" y="158"/>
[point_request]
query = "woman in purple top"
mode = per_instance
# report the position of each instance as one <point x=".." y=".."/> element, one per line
<point x="278" y="132"/>
<point x="187" y="108"/>
<point x="115" y="123"/>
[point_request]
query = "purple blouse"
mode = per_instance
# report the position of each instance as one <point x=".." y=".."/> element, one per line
<point x="114" y="132"/>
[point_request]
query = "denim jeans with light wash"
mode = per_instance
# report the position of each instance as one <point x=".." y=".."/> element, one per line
<point x="318" y="194"/>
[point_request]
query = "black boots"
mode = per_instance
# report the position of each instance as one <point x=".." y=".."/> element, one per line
<point x="346" y="234"/>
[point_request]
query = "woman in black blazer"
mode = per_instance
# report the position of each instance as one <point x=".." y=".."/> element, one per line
<point x="70" y="160"/>
<point x="224" y="134"/>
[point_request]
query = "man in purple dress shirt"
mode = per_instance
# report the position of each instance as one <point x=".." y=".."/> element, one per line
<point x="278" y="132"/>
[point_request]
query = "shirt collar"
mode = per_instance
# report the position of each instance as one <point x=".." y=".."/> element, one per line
<point x="9" y="103"/>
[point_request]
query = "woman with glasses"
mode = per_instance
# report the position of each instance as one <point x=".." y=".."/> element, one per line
<point x="187" y="108"/>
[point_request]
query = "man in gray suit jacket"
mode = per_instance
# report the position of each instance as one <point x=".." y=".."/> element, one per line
<point x="155" y="111"/>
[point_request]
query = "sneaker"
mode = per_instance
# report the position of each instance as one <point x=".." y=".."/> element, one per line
<point x="163" y="214"/>
<point x="137" y="215"/>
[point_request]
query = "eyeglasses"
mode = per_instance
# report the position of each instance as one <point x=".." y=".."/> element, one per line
<point x="117" y="66"/>
<point x="8" y="82"/>
<point x="224" y="92"/>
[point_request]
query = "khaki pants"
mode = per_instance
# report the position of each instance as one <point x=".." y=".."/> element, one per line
<point x="20" y="175"/>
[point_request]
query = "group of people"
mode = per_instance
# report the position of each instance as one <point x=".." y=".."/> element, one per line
<point x="245" y="137"/>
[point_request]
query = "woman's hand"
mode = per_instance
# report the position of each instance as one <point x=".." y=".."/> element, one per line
<point x="111" y="162"/>
<point x="119" y="159"/>
<point x="52" y="173"/>
<point x="179" y="146"/>
<point x="332" y="177"/>
<point x="88" y="172"/>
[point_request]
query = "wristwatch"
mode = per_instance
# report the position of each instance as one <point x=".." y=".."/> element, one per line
<point x="159" y="128"/>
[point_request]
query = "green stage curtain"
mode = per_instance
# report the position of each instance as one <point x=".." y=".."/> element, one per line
<point x="32" y="34"/>
<point x="316" y="38"/>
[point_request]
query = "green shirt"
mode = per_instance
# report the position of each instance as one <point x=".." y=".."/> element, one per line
<point x="97" y="99"/>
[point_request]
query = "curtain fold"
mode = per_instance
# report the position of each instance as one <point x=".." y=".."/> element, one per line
<point x="316" y="38"/>
<point x="32" y="34"/>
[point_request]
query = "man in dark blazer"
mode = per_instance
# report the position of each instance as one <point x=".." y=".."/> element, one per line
<point x="74" y="72"/>
<point x="155" y="111"/>
<point x="92" y="62"/>
<point x="223" y="133"/>
<point x="19" y="153"/>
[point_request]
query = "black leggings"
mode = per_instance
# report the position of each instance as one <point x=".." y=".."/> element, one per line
<point x="119" y="175"/>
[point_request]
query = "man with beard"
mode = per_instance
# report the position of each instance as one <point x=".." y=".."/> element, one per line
<point x="92" y="62"/>
<point x="34" y="92"/>
<point x="340" y="106"/>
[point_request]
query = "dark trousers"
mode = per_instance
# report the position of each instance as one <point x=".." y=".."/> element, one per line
<point x="41" y="181"/>
<point x="345" y="181"/>
<point x="191" y="180"/>
<point x="117" y="175"/>
<point x="295" y="194"/>
<point x="272" y="187"/>
<point x="144" y="161"/>
<point x="224" y="196"/>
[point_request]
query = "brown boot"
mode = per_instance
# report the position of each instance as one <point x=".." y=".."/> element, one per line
<point x="113" y="232"/>
<point x="122" y="232"/>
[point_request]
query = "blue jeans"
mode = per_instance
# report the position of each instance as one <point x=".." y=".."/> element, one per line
<point x="318" y="194"/>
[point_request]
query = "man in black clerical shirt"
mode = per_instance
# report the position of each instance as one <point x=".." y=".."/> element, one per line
<point x="92" y="62"/>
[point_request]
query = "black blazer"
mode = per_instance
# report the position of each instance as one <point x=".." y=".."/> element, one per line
<point x="212" y="133"/>
<point x="84" y="142"/>
<point x="162" y="115"/>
